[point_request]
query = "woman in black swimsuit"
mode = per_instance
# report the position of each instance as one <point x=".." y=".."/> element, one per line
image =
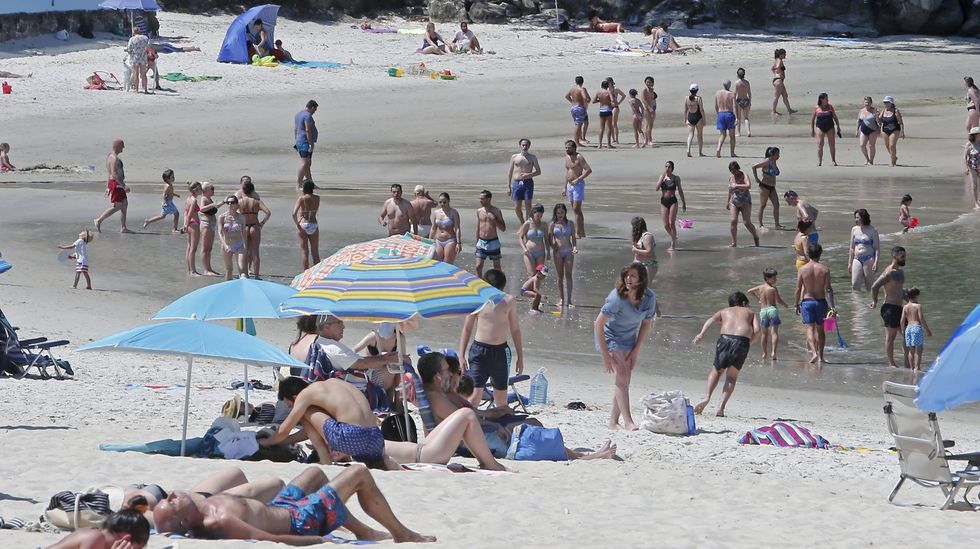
<point x="694" y="119"/>
<point x="891" y="124"/>
<point x="669" y="186"/>
<point x="779" y="82"/>
<point x="767" y="184"/>
<point x="824" y="119"/>
<point x="250" y="205"/>
<point x="209" y="224"/>
<point x="972" y="103"/>
<point x="739" y="202"/>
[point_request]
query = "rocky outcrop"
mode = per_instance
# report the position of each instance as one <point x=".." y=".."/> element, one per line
<point x="447" y="10"/>
<point x="23" y="25"/>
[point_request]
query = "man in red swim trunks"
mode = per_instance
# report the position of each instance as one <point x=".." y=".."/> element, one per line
<point x="116" y="188"/>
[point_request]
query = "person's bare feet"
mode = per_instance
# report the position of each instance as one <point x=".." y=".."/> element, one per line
<point x="494" y="465"/>
<point x="413" y="537"/>
<point x="637" y="146"/>
<point x="813" y="358"/>
<point x="774" y="356"/>
<point x="571" y="305"/>
<point x="98" y="225"/>
<point x="211" y="273"/>
<point x="631" y="427"/>
<point x="720" y="412"/>
<point x="193" y="273"/>
<point x="373" y="535"/>
<point x="611" y="147"/>
<point x="780" y="227"/>
<point x="732" y="245"/>
<point x="793" y="111"/>
<point x="777" y="113"/>
<point x="125" y="231"/>
<point x="145" y="224"/>
<point x="689" y="154"/>
<point x="615" y="427"/>
<point x="835" y="162"/>
<point x="700" y="406"/>
<point x="606" y="451"/>
<point x="756" y="238"/>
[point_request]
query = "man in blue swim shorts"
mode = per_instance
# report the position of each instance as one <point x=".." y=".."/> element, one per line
<point x="524" y="168"/>
<point x="489" y="220"/>
<point x="579" y="99"/>
<point x="309" y="507"/>
<point x="576" y="171"/>
<point x="725" y="107"/>
<point x="813" y="289"/>
<point x="305" y="129"/>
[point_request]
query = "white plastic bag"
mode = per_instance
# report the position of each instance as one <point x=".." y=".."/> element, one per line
<point x="665" y="413"/>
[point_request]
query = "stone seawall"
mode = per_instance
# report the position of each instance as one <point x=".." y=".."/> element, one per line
<point x="23" y="25"/>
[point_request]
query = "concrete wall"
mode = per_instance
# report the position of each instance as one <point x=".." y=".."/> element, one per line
<point x="41" y="6"/>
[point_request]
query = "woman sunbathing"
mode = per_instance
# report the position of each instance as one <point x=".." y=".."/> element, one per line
<point x="598" y="25"/>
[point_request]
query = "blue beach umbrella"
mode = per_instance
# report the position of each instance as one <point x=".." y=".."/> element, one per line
<point x="972" y="320"/>
<point x="4" y="266"/>
<point x="954" y="378"/>
<point x="190" y="339"/>
<point x="131" y="6"/>
<point x="242" y="299"/>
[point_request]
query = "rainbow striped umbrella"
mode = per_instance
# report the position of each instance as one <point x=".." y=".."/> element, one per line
<point x="405" y="245"/>
<point x="394" y="289"/>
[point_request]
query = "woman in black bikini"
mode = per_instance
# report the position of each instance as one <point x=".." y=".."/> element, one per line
<point x="972" y="104"/>
<point x="209" y="224"/>
<point x="739" y="201"/>
<point x="824" y="119"/>
<point x="891" y="124"/>
<point x="669" y="186"/>
<point x="617" y="97"/>
<point x="250" y="205"/>
<point x="694" y="118"/>
<point x="779" y="82"/>
<point x="767" y="184"/>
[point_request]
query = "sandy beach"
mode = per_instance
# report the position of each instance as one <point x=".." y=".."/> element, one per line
<point x="457" y="136"/>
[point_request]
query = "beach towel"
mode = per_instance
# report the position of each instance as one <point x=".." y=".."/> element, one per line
<point x="382" y="30"/>
<point x="314" y="65"/>
<point x="623" y="53"/>
<point x="181" y="77"/>
<point x="784" y="435"/>
<point x="411" y="31"/>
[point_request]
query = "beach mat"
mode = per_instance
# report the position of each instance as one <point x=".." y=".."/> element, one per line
<point x="411" y="31"/>
<point x="181" y="77"/>
<point x="314" y="65"/>
<point x="623" y="53"/>
<point x="382" y="30"/>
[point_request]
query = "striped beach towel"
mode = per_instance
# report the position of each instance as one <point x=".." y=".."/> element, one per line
<point x="786" y="435"/>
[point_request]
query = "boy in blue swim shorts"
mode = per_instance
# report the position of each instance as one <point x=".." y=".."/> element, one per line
<point x="813" y="290"/>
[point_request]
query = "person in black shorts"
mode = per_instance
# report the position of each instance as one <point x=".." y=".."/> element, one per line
<point x="739" y="326"/>
<point x="892" y="281"/>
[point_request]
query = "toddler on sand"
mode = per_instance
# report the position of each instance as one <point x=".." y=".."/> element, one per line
<point x="532" y="288"/>
<point x="81" y="257"/>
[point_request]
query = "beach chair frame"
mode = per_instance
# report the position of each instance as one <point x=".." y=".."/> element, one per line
<point x="512" y="382"/>
<point x="922" y="454"/>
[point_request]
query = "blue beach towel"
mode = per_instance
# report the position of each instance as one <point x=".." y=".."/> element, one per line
<point x="314" y="65"/>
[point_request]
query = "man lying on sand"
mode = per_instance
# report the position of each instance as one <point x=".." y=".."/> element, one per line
<point x="308" y="508"/>
<point x="337" y="416"/>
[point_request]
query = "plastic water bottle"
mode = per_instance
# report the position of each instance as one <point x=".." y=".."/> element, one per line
<point x="539" y="388"/>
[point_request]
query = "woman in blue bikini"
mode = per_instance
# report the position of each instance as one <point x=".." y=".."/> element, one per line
<point x="446" y="231"/>
<point x="767" y="184"/>
<point x="862" y="259"/>
<point x="563" y="249"/>
<point x="532" y="239"/>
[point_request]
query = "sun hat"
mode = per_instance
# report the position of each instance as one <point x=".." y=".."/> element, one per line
<point x="888" y="99"/>
<point x="693" y="87"/>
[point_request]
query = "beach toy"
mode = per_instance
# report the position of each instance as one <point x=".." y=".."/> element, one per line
<point x="687" y="223"/>
<point x="830" y="324"/>
<point x="392" y="71"/>
<point x="432" y="75"/>
<point x="6" y="88"/>
<point x="914" y="222"/>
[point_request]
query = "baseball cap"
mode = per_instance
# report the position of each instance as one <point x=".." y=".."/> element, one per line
<point x="543" y="269"/>
<point x="693" y="87"/>
<point x="889" y="99"/>
<point x="975" y="130"/>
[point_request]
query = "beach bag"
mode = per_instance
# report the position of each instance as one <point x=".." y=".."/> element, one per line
<point x="533" y="443"/>
<point x="393" y="428"/>
<point x="73" y="510"/>
<point x="665" y="413"/>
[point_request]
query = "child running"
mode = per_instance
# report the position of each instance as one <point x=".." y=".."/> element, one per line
<point x="638" y="114"/>
<point x="915" y="321"/>
<point x="905" y="214"/>
<point x="739" y="326"/>
<point x="532" y="288"/>
<point x="768" y="296"/>
<point x="80" y="256"/>
<point x="168" y="207"/>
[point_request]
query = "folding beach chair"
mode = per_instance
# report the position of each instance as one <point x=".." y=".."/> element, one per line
<point x="20" y="356"/>
<point x="922" y="453"/>
<point x="512" y="396"/>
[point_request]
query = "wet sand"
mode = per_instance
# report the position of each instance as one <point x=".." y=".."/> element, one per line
<point x="457" y="137"/>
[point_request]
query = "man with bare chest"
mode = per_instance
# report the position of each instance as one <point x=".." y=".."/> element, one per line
<point x="489" y="220"/>
<point x="398" y="214"/>
<point x="892" y="280"/>
<point x="524" y="168"/>
<point x="576" y="171"/>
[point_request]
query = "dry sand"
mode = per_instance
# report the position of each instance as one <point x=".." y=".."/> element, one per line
<point x="675" y="492"/>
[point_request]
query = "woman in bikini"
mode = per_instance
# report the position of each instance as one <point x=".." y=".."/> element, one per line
<point x="739" y="202"/>
<point x="779" y="82"/>
<point x="800" y="241"/>
<point x="669" y="187"/>
<point x="617" y="97"/>
<point x="891" y="123"/>
<point x="307" y="230"/>
<point x="694" y="119"/>
<point x="231" y="232"/>
<point x="862" y="259"/>
<point x="209" y="223"/>
<point x="743" y="102"/>
<point x="663" y="41"/>
<point x="639" y="114"/>
<point x="824" y="119"/>
<point x="868" y="130"/>
<point x="532" y="239"/>
<point x="767" y="184"/>
<point x="649" y="99"/>
<point x="192" y="226"/>
<point x="422" y="204"/>
<point x="972" y="159"/>
<point x="644" y="247"/>
<point x="250" y="205"/>
<point x="431" y="41"/>
<point x="563" y="249"/>
<point x="972" y="103"/>
<point x="446" y="231"/>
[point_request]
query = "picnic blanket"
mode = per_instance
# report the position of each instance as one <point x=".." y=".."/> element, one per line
<point x="784" y="435"/>
<point x="181" y="77"/>
<point x="314" y="65"/>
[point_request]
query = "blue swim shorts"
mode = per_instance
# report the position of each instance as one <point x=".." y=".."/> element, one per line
<point x="168" y="208"/>
<point x="814" y="311"/>
<point x="316" y="514"/>
<point x="579" y="115"/>
<point x="726" y="121"/>
<point x="361" y="443"/>
<point x="303" y="148"/>
<point x="488" y="249"/>
<point x="522" y="189"/>
<point x="576" y="191"/>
